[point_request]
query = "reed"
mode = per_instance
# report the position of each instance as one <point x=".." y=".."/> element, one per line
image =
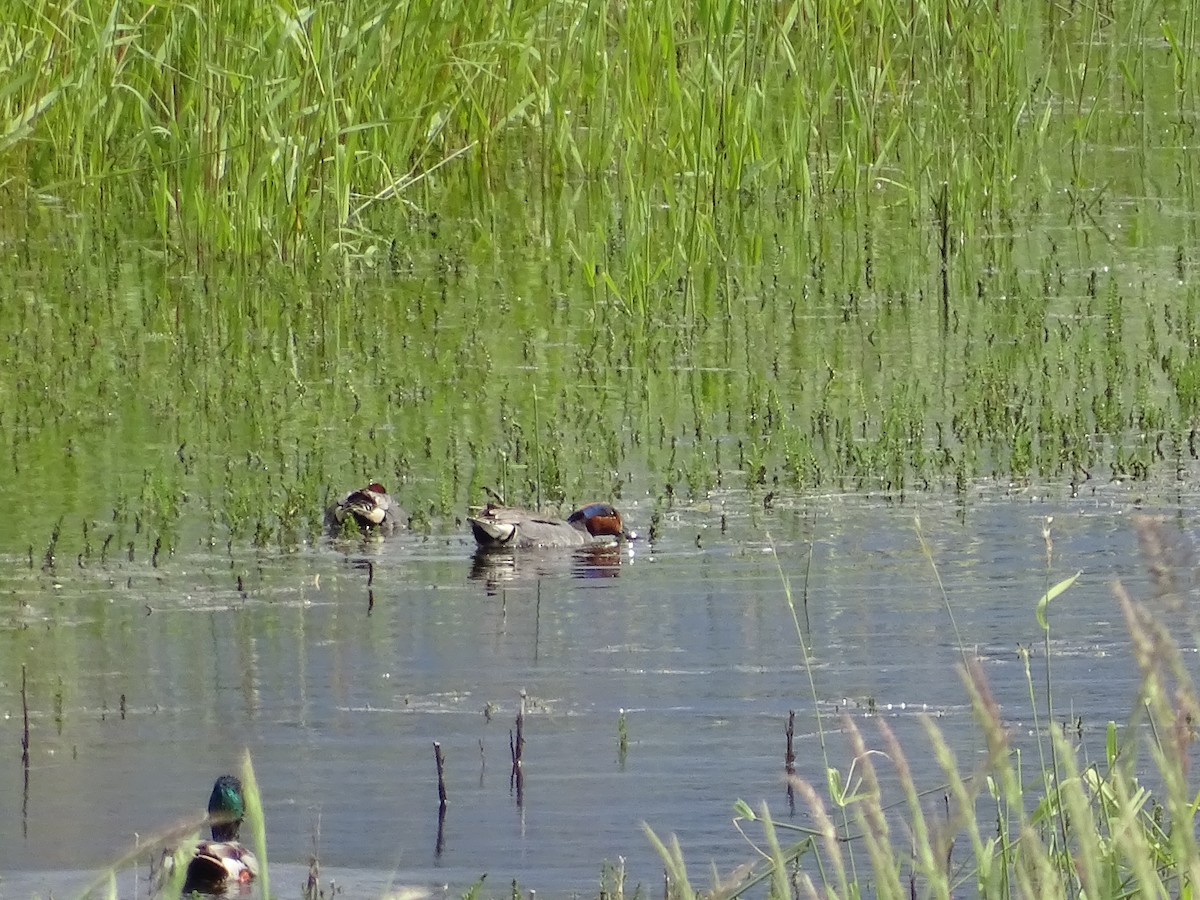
<point x="293" y="133"/>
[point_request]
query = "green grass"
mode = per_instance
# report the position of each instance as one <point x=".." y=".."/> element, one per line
<point x="293" y="133"/>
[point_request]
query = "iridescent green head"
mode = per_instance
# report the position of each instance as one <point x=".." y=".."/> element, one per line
<point x="226" y="808"/>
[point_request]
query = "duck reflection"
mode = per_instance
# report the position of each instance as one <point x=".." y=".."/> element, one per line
<point x="599" y="561"/>
<point x="496" y="567"/>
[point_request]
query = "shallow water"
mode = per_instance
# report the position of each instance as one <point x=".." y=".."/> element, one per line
<point x="339" y="665"/>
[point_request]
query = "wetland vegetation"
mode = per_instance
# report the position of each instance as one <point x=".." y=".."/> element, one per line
<point x="256" y="254"/>
<point x="583" y="246"/>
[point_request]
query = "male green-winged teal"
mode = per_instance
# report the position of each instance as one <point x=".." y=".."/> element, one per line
<point x="369" y="508"/>
<point x="506" y="526"/>
<point x="223" y="861"/>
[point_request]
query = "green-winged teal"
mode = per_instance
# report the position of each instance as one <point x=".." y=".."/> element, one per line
<point x="370" y="509"/>
<point x="505" y="526"/>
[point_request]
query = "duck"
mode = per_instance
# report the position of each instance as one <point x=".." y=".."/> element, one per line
<point x="218" y="864"/>
<point x="496" y="527"/>
<point x="370" y="508"/>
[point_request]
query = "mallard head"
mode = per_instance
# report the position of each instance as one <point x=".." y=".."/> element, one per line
<point x="226" y="808"/>
<point x="213" y="865"/>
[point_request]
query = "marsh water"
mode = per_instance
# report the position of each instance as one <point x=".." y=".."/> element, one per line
<point x="910" y="398"/>
<point x="339" y="664"/>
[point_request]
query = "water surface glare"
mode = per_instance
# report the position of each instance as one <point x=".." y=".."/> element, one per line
<point x="339" y="687"/>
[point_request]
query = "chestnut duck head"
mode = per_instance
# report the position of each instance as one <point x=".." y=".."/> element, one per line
<point x="506" y="526"/>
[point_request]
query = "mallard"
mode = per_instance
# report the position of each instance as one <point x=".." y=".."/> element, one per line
<point x="370" y="508"/>
<point x="506" y="526"/>
<point x="223" y="861"/>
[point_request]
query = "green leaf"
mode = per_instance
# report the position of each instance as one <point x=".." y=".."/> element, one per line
<point x="1050" y="595"/>
<point x="833" y="779"/>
